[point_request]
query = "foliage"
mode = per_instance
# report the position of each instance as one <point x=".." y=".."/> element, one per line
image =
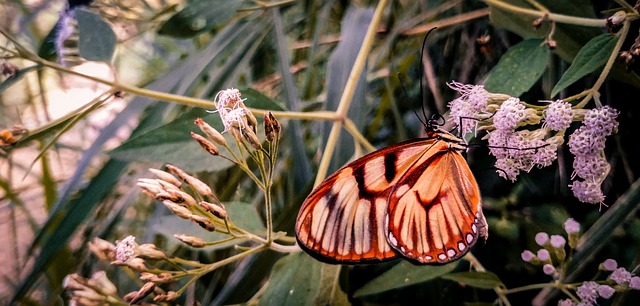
<point x="341" y="78"/>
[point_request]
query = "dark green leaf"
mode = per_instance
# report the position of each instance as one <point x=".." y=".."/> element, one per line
<point x="294" y="281"/>
<point x="401" y="275"/>
<point x="171" y="143"/>
<point x="519" y="69"/>
<point x="199" y="16"/>
<point x="97" y="42"/>
<point x="482" y="280"/>
<point x="591" y="57"/>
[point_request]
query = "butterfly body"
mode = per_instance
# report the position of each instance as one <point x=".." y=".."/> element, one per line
<point x="417" y="200"/>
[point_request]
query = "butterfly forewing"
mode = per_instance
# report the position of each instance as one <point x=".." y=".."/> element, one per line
<point x="417" y="199"/>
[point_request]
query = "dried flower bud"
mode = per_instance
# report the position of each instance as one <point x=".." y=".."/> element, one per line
<point x="252" y="139"/>
<point x="614" y="23"/>
<point x="103" y="283"/>
<point x="552" y="44"/>
<point x="537" y="23"/>
<point x="203" y="222"/>
<point x="212" y="133"/>
<point x="206" y="144"/>
<point x="150" y="251"/>
<point x="177" y="209"/>
<point x="156" y="278"/>
<point x="168" y="297"/>
<point x="136" y="296"/>
<point x="102" y="249"/>
<point x="166" y="176"/>
<point x="272" y="127"/>
<point x="181" y="197"/>
<point x="197" y="184"/>
<point x="216" y="210"/>
<point x="192" y="241"/>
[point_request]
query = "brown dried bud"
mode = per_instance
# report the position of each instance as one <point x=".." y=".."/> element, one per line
<point x="252" y="139"/>
<point x="156" y="278"/>
<point x="177" y="209"/>
<point x="168" y="297"/>
<point x="197" y="184"/>
<point x="614" y="23"/>
<point x="150" y="186"/>
<point x="102" y="249"/>
<point x="137" y="264"/>
<point x="150" y="251"/>
<point x="272" y="127"/>
<point x="192" y="241"/>
<point x="205" y="144"/>
<point x="212" y="133"/>
<point x="166" y="176"/>
<point x="537" y="23"/>
<point x="203" y="222"/>
<point x="102" y="283"/>
<point x="218" y="211"/>
<point x="136" y="296"/>
<point x="182" y="198"/>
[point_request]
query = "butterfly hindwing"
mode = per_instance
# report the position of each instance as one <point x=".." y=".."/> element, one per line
<point x="434" y="208"/>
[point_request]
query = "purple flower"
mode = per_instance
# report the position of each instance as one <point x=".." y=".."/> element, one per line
<point x="557" y="241"/>
<point x="588" y="292"/>
<point x="548" y="269"/>
<point x="571" y="226"/>
<point x="527" y="256"/>
<point x="609" y="264"/>
<point x="634" y="283"/>
<point x="558" y="115"/>
<point x="544" y="255"/>
<point x="605" y="291"/>
<point x="621" y="276"/>
<point x="566" y="302"/>
<point x="587" y="192"/>
<point x="510" y="113"/>
<point x="542" y="238"/>
<point x="602" y="120"/>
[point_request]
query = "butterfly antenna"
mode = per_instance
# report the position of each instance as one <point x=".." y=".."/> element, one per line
<point x="407" y="96"/>
<point x="420" y="77"/>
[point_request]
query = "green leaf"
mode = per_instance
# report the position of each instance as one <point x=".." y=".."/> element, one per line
<point x="329" y="291"/>
<point x="401" y="275"/>
<point x="519" y="69"/>
<point x="241" y="214"/>
<point x="97" y="42"/>
<point x="171" y="143"/>
<point x="200" y="16"/>
<point x="591" y="57"/>
<point x="482" y="280"/>
<point x="294" y="281"/>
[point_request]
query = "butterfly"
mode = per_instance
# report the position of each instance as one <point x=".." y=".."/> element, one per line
<point x="417" y="200"/>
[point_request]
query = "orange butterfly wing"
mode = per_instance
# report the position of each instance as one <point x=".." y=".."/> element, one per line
<point x="435" y="214"/>
<point x="346" y="218"/>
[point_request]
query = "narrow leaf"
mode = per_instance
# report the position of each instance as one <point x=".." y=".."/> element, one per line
<point x="401" y="275"/>
<point x="482" y="280"/>
<point x="519" y="69"/>
<point x="97" y="42"/>
<point x="199" y="16"/>
<point x="591" y="57"/>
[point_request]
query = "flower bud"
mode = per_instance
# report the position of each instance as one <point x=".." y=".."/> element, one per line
<point x="177" y="209"/>
<point x="216" y="210"/>
<point x="150" y="251"/>
<point x="203" y="222"/>
<point x="166" y="176"/>
<point x="197" y="184"/>
<point x="156" y="278"/>
<point x="136" y="296"/>
<point x="167" y="297"/>
<point x="206" y="144"/>
<point x="212" y="133"/>
<point x="192" y="241"/>
<point x="102" y="249"/>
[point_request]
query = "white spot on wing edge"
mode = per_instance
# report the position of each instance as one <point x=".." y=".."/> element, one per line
<point x="451" y="253"/>
<point x="461" y="246"/>
<point x="442" y="256"/>
<point x="392" y="240"/>
<point x="469" y="238"/>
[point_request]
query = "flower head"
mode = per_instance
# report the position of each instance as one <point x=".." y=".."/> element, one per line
<point x="634" y="283"/>
<point x="592" y="168"/>
<point x="557" y="241"/>
<point x="610" y="264"/>
<point x="588" y="292"/>
<point x="126" y="249"/>
<point x="527" y="256"/>
<point x="605" y="291"/>
<point x="542" y="238"/>
<point x="510" y="113"/>
<point x="587" y="192"/>
<point x="558" y="115"/>
<point x="548" y="269"/>
<point x="602" y="120"/>
<point x="544" y="255"/>
<point x="621" y="276"/>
